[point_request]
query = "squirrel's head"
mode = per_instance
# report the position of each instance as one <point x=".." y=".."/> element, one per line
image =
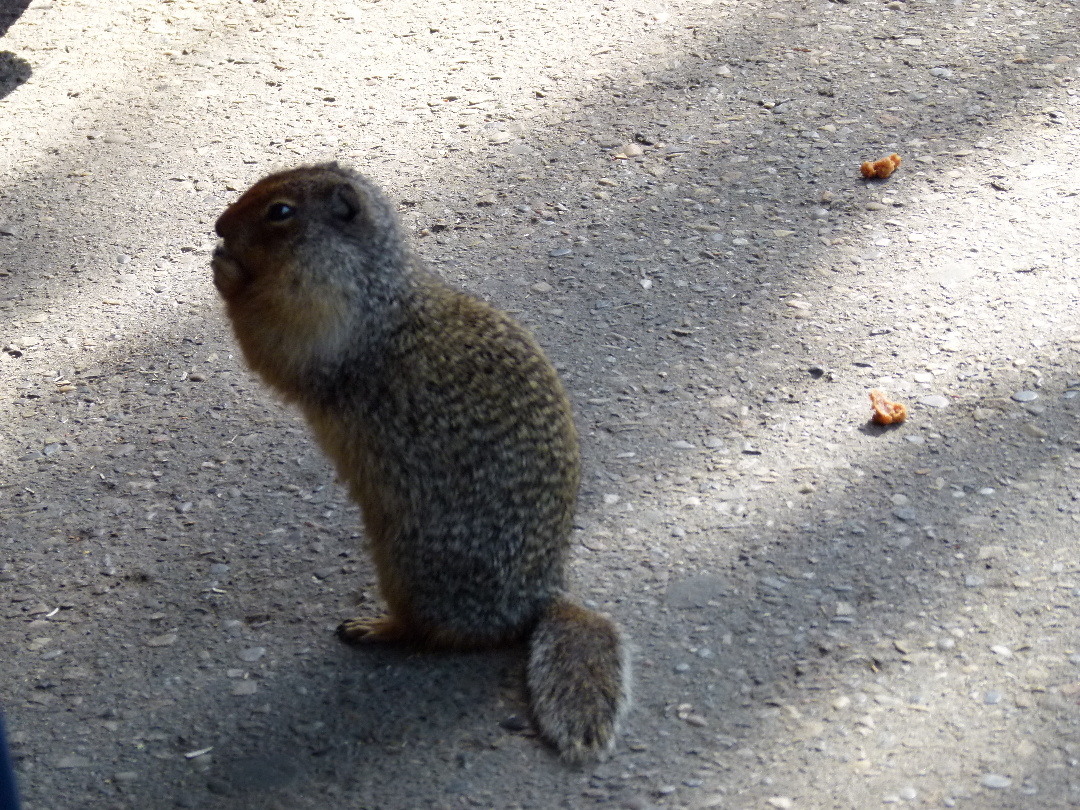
<point x="302" y="226"/>
<point x="303" y="255"/>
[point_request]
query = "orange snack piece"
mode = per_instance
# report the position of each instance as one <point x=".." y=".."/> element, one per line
<point x="885" y="412"/>
<point x="880" y="169"/>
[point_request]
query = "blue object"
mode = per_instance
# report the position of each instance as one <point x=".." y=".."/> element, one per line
<point x="9" y="797"/>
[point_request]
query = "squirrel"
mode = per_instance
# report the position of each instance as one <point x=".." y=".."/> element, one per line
<point x="449" y="426"/>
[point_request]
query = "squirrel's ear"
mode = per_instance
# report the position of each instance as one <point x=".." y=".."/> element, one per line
<point x="345" y="202"/>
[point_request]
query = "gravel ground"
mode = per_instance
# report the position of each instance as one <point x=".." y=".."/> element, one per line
<point x="827" y="614"/>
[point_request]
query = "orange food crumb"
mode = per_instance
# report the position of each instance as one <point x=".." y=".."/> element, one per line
<point x="885" y="412"/>
<point x="880" y="169"/>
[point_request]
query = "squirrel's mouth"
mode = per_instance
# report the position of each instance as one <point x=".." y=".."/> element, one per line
<point x="228" y="274"/>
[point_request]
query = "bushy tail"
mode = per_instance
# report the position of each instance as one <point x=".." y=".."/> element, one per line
<point x="579" y="679"/>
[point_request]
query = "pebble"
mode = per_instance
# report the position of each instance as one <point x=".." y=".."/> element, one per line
<point x="941" y="72"/>
<point x="1025" y="396"/>
<point x="995" y="781"/>
<point x="781" y="802"/>
<point x="908" y="794"/>
<point x="905" y="513"/>
<point x="992" y="697"/>
<point x="72" y="761"/>
<point x="241" y="688"/>
<point x="252" y="654"/>
<point x="164" y="640"/>
<point x="935" y="401"/>
<point x="1002" y="650"/>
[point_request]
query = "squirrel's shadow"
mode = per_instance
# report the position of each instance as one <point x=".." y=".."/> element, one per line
<point x="362" y="719"/>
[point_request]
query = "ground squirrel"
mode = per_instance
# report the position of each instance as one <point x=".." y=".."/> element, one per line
<point x="446" y="421"/>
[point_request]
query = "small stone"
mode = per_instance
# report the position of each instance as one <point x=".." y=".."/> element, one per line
<point x="72" y="761"/>
<point x="1001" y="650"/>
<point x="632" y="150"/>
<point x="776" y="583"/>
<point x="164" y="640"/>
<point x="541" y="287"/>
<point x="1025" y="396"/>
<point x="992" y="697"/>
<point x="500" y="137"/>
<point x="1035" y="432"/>
<point x="905" y="513"/>
<point x="995" y="781"/>
<point x="941" y="72"/>
<point x="252" y="654"/>
<point x="935" y="401"/>
<point x="241" y="688"/>
<point x="558" y="253"/>
<point x="781" y="802"/>
<point x="908" y="794"/>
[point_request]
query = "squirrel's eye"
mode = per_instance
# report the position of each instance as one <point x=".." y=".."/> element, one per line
<point x="279" y="212"/>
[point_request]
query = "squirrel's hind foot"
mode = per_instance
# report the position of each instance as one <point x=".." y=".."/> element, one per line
<point x="364" y="630"/>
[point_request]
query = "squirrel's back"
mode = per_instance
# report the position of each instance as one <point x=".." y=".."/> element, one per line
<point x="446" y="421"/>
